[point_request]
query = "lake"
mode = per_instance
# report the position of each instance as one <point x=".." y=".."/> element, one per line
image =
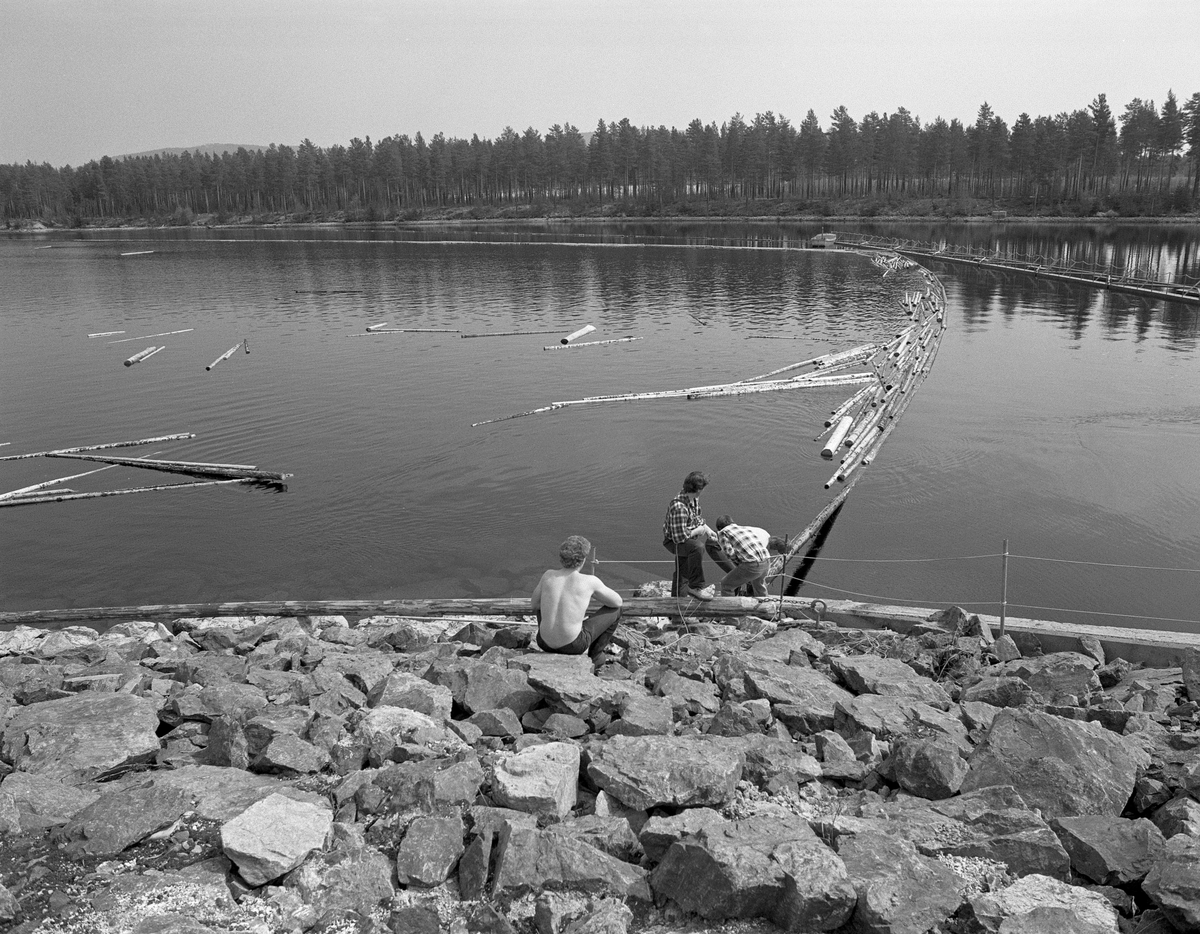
<point x="1063" y="419"/>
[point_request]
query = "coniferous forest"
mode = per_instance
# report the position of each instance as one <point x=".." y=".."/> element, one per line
<point x="1142" y="161"/>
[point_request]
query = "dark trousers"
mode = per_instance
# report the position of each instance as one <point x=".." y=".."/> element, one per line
<point x="689" y="562"/>
<point x="593" y="638"/>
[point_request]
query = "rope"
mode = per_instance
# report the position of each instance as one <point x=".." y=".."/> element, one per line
<point x="1098" y="564"/>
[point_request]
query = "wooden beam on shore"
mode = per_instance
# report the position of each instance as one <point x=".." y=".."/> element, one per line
<point x="227" y="471"/>
<point x="182" y="436"/>
<point x="1150" y="647"/>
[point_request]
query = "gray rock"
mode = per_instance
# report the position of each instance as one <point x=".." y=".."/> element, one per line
<point x="474" y="864"/>
<point x="898" y="890"/>
<point x="400" y="689"/>
<point x="122" y="817"/>
<point x="274" y="836"/>
<point x="738" y="719"/>
<point x="779" y="647"/>
<point x="803" y="698"/>
<point x="78" y="737"/>
<point x="685" y="771"/>
<point x="222" y="794"/>
<point x="568" y="682"/>
<point x="999" y="691"/>
<point x="530" y="860"/>
<point x="608" y="917"/>
<point x="497" y="722"/>
<point x="430" y="850"/>
<point x="687" y="695"/>
<point x="8" y="904"/>
<point x="289" y="754"/>
<point x="42" y="802"/>
<point x="888" y="717"/>
<point x="658" y="833"/>
<point x="642" y="716"/>
<point x="22" y="640"/>
<point x="1179" y="815"/>
<point x="357" y="880"/>
<point x="870" y="674"/>
<point x="400" y="725"/>
<point x="1110" y="850"/>
<point x="1065" y="767"/>
<point x="1173" y="884"/>
<point x="431" y="785"/>
<point x="928" y="768"/>
<point x="1041" y="905"/>
<point x="563" y="724"/>
<point x="10" y="817"/>
<point x="1060" y="674"/>
<point x="759" y="868"/>
<point x="539" y="780"/>
<point x="611" y="835"/>
<point x="994" y="824"/>
<point x="1006" y="649"/>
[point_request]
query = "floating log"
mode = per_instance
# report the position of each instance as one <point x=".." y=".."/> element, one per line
<point x="64" y="497"/>
<point x="183" y="436"/>
<point x="740" y="389"/>
<point x="225" y="356"/>
<point x="823" y="360"/>
<point x="105" y="333"/>
<point x="142" y="355"/>
<point x="376" y="327"/>
<point x="858" y="398"/>
<point x="37" y="496"/>
<point x="125" y="340"/>
<point x="371" y="333"/>
<point x="26" y="490"/>
<point x="228" y="471"/>
<point x="586" y="329"/>
<point x="835" y="439"/>
<point x="513" y="333"/>
<point x="329" y="291"/>
<point x="615" y="340"/>
<point x="246" y="343"/>
<point x="138" y="253"/>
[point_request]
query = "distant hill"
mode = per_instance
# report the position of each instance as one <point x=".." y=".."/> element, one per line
<point x="207" y="149"/>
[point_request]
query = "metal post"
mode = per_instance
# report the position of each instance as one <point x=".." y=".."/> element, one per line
<point x="1004" y="589"/>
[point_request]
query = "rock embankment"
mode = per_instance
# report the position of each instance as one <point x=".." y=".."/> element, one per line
<point x="423" y="775"/>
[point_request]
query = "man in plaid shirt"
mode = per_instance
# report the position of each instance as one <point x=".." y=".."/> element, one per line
<point x="684" y="534"/>
<point x="746" y="546"/>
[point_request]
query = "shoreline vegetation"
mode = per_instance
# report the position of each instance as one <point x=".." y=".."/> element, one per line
<point x="1141" y="162"/>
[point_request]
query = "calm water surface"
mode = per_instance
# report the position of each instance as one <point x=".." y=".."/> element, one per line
<point x="1064" y="420"/>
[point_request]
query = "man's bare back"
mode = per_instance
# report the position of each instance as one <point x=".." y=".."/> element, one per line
<point x="562" y="597"/>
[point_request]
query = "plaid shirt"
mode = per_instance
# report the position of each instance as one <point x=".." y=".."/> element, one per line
<point x="744" y="543"/>
<point x="683" y="517"/>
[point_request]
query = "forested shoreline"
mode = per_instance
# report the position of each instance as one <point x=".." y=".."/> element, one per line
<point x="1143" y="162"/>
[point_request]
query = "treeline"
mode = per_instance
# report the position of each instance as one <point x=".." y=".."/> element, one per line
<point x="1146" y="160"/>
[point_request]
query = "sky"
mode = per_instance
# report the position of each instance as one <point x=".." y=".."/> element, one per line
<point x="80" y="79"/>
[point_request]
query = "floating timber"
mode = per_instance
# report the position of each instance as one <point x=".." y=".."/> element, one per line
<point x="1111" y="279"/>
<point x="182" y="436"/>
<point x="226" y="471"/>
<point x="1149" y="647"/>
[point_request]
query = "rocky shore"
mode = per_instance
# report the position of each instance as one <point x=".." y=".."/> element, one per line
<point x="432" y="774"/>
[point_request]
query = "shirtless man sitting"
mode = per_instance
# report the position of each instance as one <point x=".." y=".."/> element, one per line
<point x="560" y="602"/>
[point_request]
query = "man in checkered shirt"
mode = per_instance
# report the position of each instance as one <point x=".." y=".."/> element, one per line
<point x="687" y="536"/>
<point x="746" y="547"/>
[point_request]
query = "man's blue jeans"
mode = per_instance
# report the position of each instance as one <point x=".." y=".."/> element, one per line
<point x="689" y="562"/>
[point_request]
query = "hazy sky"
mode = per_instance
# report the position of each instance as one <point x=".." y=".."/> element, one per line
<point x="84" y="78"/>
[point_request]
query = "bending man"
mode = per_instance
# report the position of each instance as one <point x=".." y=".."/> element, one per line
<point x="560" y="602"/>
<point x="747" y="546"/>
<point x="685" y="534"/>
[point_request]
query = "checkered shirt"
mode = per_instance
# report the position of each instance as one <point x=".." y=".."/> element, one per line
<point x="744" y="543"/>
<point x="683" y="516"/>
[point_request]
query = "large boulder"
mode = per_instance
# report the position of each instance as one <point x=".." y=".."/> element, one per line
<point x="1057" y="676"/>
<point x="759" y="868"/>
<point x="274" y="836"/>
<point x="122" y="817"/>
<point x="1173" y="883"/>
<point x="76" y="738"/>
<point x="531" y="860"/>
<point x="41" y="802"/>
<point x="929" y="768"/>
<point x="1041" y="905"/>
<point x="430" y="849"/>
<point x="802" y="698"/>
<point x="1064" y="767"/>
<point x="1110" y="850"/>
<point x="898" y="890"/>
<point x="680" y="771"/>
<point x="540" y="780"/>
<point x="870" y="674"/>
